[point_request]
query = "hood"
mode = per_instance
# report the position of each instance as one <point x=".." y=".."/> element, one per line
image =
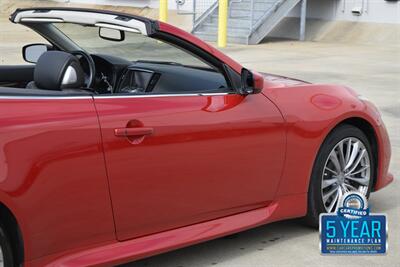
<point x="272" y="80"/>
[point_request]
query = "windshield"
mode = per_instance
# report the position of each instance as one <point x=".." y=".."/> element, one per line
<point x="134" y="47"/>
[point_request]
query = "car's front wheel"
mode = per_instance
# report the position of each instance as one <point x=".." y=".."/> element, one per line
<point x="6" y="256"/>
<point x="344" y="163"/>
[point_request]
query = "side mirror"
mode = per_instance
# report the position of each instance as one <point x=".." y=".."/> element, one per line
<point x="31" y="53"/>
<point x="252" y="82"/>
<point x="111" y="34"/>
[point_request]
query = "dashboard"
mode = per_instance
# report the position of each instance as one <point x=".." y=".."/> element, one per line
<point x="118" y="76"/>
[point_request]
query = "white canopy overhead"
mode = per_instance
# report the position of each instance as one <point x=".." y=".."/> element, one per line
<point x="81" y="17"/>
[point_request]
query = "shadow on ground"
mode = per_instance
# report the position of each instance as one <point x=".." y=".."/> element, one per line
<point x="214" y="252"/>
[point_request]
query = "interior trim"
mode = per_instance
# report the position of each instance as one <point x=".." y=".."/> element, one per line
<point x="41" y="20"/>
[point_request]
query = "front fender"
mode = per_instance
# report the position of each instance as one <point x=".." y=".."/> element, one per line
<point x="311" y="111"/>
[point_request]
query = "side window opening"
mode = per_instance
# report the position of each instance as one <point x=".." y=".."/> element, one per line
<point x="137" y="64"/>
<point x="157" y="67"/>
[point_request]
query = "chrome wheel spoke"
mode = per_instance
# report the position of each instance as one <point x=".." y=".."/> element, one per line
<point x="334" y="201"/>
<point x="344" y="189"/>
<point x="335" y="161"/>
<point x="350" y="187"/>
<point x="332" y="171"/>
<point x="330" y="193"/>
<point x="341" y="155"/>
<point x="353" y="155"/>
<point x="348" y="151"/>
<point x="363" y="190"/>
<point x="358" y="171"/>
<point x="326" y="182"/>
<point x="358" y="160"/>
<point x="359" y="180"/>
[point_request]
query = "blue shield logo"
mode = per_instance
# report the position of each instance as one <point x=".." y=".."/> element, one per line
<point x="353" y="229"/>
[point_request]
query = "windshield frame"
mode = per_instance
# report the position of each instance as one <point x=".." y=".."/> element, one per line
<point x="60" y="41"/>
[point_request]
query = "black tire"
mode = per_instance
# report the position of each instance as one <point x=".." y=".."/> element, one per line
<point x="5" y="246"/>
<point x="315" y="203"/>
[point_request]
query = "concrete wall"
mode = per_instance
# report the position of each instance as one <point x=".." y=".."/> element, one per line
<point x="333" y="21"/>
<point x="334" y="31"/>
<point x="379" y="11"/>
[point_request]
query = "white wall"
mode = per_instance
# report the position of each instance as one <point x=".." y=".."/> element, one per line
<point x="379" y="11"/>
<point x="374" y="10"/>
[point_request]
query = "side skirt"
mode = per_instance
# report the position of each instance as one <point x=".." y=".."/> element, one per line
<point x="286" y="207"/>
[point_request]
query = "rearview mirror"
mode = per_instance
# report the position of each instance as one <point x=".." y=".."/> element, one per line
<point x="111" y="34"/>
<point x="252" y="82"/>
<point x="31" y="53"/>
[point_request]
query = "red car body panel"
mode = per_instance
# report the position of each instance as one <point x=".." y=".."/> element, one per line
<point x="310" y="116"/>
<point x="51" y="155"/>
<point x="201" y="146"/>
<point x="214" y="165"/>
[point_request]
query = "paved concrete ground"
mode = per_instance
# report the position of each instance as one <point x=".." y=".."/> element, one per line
<point x="374" y="71"/>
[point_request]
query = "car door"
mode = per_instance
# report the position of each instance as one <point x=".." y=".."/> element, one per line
<point x="176" y="160"/>
<point x="53" y="170"/>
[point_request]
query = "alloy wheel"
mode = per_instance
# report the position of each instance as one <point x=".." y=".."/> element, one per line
<point x="346" y="169"/>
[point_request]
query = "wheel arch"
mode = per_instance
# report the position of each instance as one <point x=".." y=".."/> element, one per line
<point x="366" y="127"/>
<point x="13" y="231"/>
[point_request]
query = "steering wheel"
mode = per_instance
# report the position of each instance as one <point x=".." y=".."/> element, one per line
<point x="89" y="77"/>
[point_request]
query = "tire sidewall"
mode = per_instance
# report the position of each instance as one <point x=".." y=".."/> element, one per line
<point x="315" y="203"/>
<point x="6" y="250"/>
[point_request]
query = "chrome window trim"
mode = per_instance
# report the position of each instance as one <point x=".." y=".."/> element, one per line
<point x="157" y="95"/>
<point x="107" y="96"/>
<point x="33" y="97"/>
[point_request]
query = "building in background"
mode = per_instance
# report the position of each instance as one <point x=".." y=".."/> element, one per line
<point x="251" y="21"/>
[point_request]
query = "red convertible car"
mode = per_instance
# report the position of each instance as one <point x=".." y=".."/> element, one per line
<point x="129" y="137"/>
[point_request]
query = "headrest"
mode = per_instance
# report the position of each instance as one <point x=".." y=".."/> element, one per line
<point x="56" y="70"/>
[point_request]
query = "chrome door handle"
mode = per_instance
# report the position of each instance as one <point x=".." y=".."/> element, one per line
<point x="132" y="132"/>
